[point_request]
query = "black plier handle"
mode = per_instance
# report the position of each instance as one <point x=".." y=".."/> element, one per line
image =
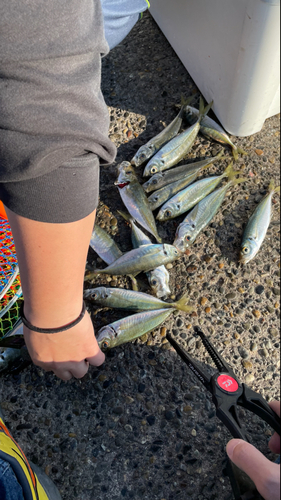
<point x="227" y="392"/>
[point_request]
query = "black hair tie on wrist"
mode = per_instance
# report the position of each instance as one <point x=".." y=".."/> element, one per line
<point x="52" y="330"/>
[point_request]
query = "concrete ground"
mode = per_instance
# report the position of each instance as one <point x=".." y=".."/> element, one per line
<point x="142" y="426"/>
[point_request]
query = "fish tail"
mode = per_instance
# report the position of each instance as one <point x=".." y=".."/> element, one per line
<point x="203" y="110"/>
<point x="236" y="151"/>
<point x="230" y="172"/>
<point x="272" y="188"/>
<point x="182" y="305"/>
<point x="220" y="156"/>
<point x="239" y="181"/>
<point x="185" y="102"/>
<point x="241" y="151"/>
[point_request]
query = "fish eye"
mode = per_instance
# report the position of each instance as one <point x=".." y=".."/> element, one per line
<point x="94" y="296"/>
<point x="154" y="181"/>
<point x="105" y="344"/>
<point x="245" y="250"/>
<point x="193" y="226"/>
<point x="187" y="237"/>
<point x="142" y="156"/>
<point x="153" y="170"/>
<point x="168" y="213"/>
<point x="154" y="282"/>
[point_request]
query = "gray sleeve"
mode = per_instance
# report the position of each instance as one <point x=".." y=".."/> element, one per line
<point x="53" y="118"/>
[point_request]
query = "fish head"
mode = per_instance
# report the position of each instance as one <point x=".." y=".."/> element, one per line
<point x="153" y="182"/>
<point x="184" y="236"/>
<point x="97" y="294"/>
<point x="106" y="337"/>
<point x="126" y="174"/>
<point x="153" y="199"/>
<point x="168" y="211"/>
<point x="153" y="167"/>
<point x="143" y="154"/>
<point x="248" y="250"/>
<point x="171" y="251"/>
<point x="159" y="282"/>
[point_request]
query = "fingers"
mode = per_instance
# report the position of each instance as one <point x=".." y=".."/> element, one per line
<point x="274" y="443"/>
<point x="97" y="360"/>
<point x="265" y="474"/>
<point x="66" y="371"/>
<point x="275" y="406"/>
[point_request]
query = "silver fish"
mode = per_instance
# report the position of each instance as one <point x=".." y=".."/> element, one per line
<point x="158" y="198"/>
<point x="104" y="245"/>
<point x="177" y="148"/>
<point x="135" y="200"/>
<point x="213" y="130"/>
<point x="145" y="258"/>
<point x="257" y="227"/>
<point x="202" y="214"/>
<point x="190" y="196"/>
<point x="158" y="278"/>
<point x="130" y="300"/>
<point x="130" y="328"/>
<point x="157" y="181"/>
<point x="145" y="152"/>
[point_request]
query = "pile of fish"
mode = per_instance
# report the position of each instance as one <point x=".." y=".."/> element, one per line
<point x="175" y="191"/>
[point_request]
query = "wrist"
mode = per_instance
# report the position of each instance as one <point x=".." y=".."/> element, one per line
<point x="52" y="330"/>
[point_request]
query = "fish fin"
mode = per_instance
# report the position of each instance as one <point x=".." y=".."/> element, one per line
<point x="135" y="286"/>
<point x="230" y="172"/>
<point x="185" y="102"/>
<point x="236" y="151"/>
<point x="239" y="181"/>
<point x="204" y="111"/>
<point x="220" y="156"/>
<point x="182" y="304"/>
<point x="241" y="151"/>
<point x="195" y="212"/>
<point x="125" y="216"/>
<point x="272" y="188"/>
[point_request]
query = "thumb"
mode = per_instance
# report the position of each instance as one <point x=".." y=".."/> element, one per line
<point x="254" y="464"/>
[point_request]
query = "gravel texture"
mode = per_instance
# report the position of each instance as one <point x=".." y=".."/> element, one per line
<point x="142" y="426"/>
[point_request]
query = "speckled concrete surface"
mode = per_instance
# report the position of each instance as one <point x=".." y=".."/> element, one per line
<point x="142" y="426"/>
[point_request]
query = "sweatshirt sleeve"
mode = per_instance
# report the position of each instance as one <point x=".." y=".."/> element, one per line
<point x="53" y="118"/>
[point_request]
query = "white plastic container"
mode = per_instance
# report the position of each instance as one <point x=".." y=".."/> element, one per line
<point x="231" y="49"/>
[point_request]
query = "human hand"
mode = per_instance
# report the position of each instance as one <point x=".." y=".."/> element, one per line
<point x="68" y="354"/>
<point x="265" y="474"/>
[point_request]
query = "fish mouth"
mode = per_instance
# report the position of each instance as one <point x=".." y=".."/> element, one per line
<point x="121" y="185"/>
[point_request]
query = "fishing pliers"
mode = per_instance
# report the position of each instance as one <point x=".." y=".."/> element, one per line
<point x="227" y="394"/>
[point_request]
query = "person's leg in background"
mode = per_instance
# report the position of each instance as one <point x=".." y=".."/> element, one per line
<point x="120" y="16"/>
<point x="20" y="480"/>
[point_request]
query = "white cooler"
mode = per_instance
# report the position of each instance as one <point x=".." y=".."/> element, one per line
<point x="231" y="49"/>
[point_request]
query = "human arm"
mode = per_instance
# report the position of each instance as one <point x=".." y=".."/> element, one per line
<point x="264" y="473"/>
<point x="52" y="263"/>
